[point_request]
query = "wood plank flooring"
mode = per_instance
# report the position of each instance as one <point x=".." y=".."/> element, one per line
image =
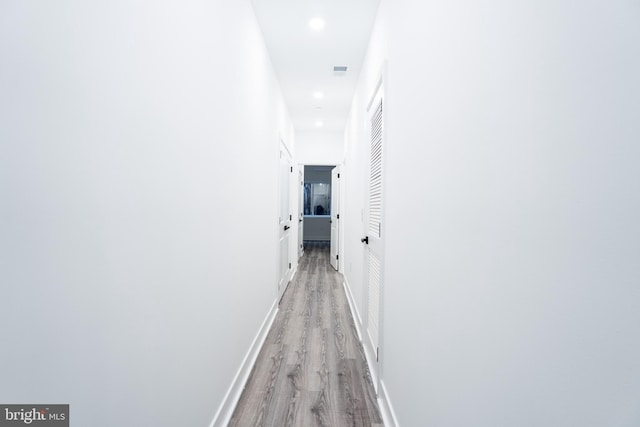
<point x="311" y="370"/>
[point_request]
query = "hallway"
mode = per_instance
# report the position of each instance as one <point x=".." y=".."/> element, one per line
<point x="311" y="369"/>
<point x="488" y="240"/>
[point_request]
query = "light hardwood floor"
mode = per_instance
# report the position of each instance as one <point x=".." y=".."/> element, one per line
<point x="311" y="370"/>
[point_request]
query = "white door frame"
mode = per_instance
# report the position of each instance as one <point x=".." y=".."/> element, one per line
<point x="374" y="247"/>
<point x="285" y="216"/>
<point x="334" y="255"/>
<point x="300" y="230"/>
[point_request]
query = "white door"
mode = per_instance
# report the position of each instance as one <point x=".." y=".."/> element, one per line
<point x="284" y="219"/>
<point x="300" y="211"/>
<point x="374" y="233"/>
<point x="334" y="257"/>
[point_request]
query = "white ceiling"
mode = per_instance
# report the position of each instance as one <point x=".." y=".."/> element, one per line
<point x="304" y="58"/>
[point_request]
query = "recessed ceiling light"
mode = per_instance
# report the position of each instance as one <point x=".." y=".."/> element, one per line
<point x="318" y="94"/>
<point x="319" y="124"/>
<point x="316" y="23"/>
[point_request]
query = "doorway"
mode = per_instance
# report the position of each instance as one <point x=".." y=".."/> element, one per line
<point x="320" y="209"/>
<point x="285" y="218"/>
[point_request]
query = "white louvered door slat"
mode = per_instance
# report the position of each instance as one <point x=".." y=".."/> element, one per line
<point x="375" y="177"/>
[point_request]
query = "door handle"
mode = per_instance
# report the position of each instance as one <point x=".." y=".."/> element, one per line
<point x="365" y="239"/>
<point x="286" y="227"/>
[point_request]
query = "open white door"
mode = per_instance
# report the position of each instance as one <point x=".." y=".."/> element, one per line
<point x="373" y="239"/>
<point x="300" y="211"/>
<point x="334" y="257"/>
<point x="284" y="219"/>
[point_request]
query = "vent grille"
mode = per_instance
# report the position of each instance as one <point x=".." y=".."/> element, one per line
<point x="340" y="70"/>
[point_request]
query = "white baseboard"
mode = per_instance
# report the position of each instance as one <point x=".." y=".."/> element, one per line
<point x="386" y="410"/>
<point x="384" y="403"/>
<point x="228" y="405"/>
<point x="318" y="238"/>
<point x="352" y="306"/>
<point x="369" y="354"/>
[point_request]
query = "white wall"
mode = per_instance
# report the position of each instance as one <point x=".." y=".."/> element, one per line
<point x="512" y="205"/>
<point x="319" y="147"/>
<point x="130" y="137"/>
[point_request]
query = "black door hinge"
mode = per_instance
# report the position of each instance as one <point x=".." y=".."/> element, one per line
<point x="337" y="256"/>
<point x="291" y="168"/>
<point x="338" y="175"/>
<point x="289" y="266"/>
<point x="338" y="216"/>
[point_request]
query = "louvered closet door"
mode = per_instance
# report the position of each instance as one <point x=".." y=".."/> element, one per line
<point x="374" y="230"/>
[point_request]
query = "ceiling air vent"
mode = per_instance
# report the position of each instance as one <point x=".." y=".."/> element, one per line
<point x="339" y="70"/>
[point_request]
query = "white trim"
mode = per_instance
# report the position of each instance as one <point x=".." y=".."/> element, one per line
<point x="318" y="238"/>
<point x="376" y="91"/>
<point x="370" y="358"/>
<point x="386" y="409"/>
<point x="354" y="310"/>
<point x="384" y="403"/>
<point x="286" y="147"/>
<point x="228" y="405"/>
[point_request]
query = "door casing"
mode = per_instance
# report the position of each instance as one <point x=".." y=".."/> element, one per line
<point x="284" y="219"/>
<point x="374" y="236"/>
<point x="334" y="257"/>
